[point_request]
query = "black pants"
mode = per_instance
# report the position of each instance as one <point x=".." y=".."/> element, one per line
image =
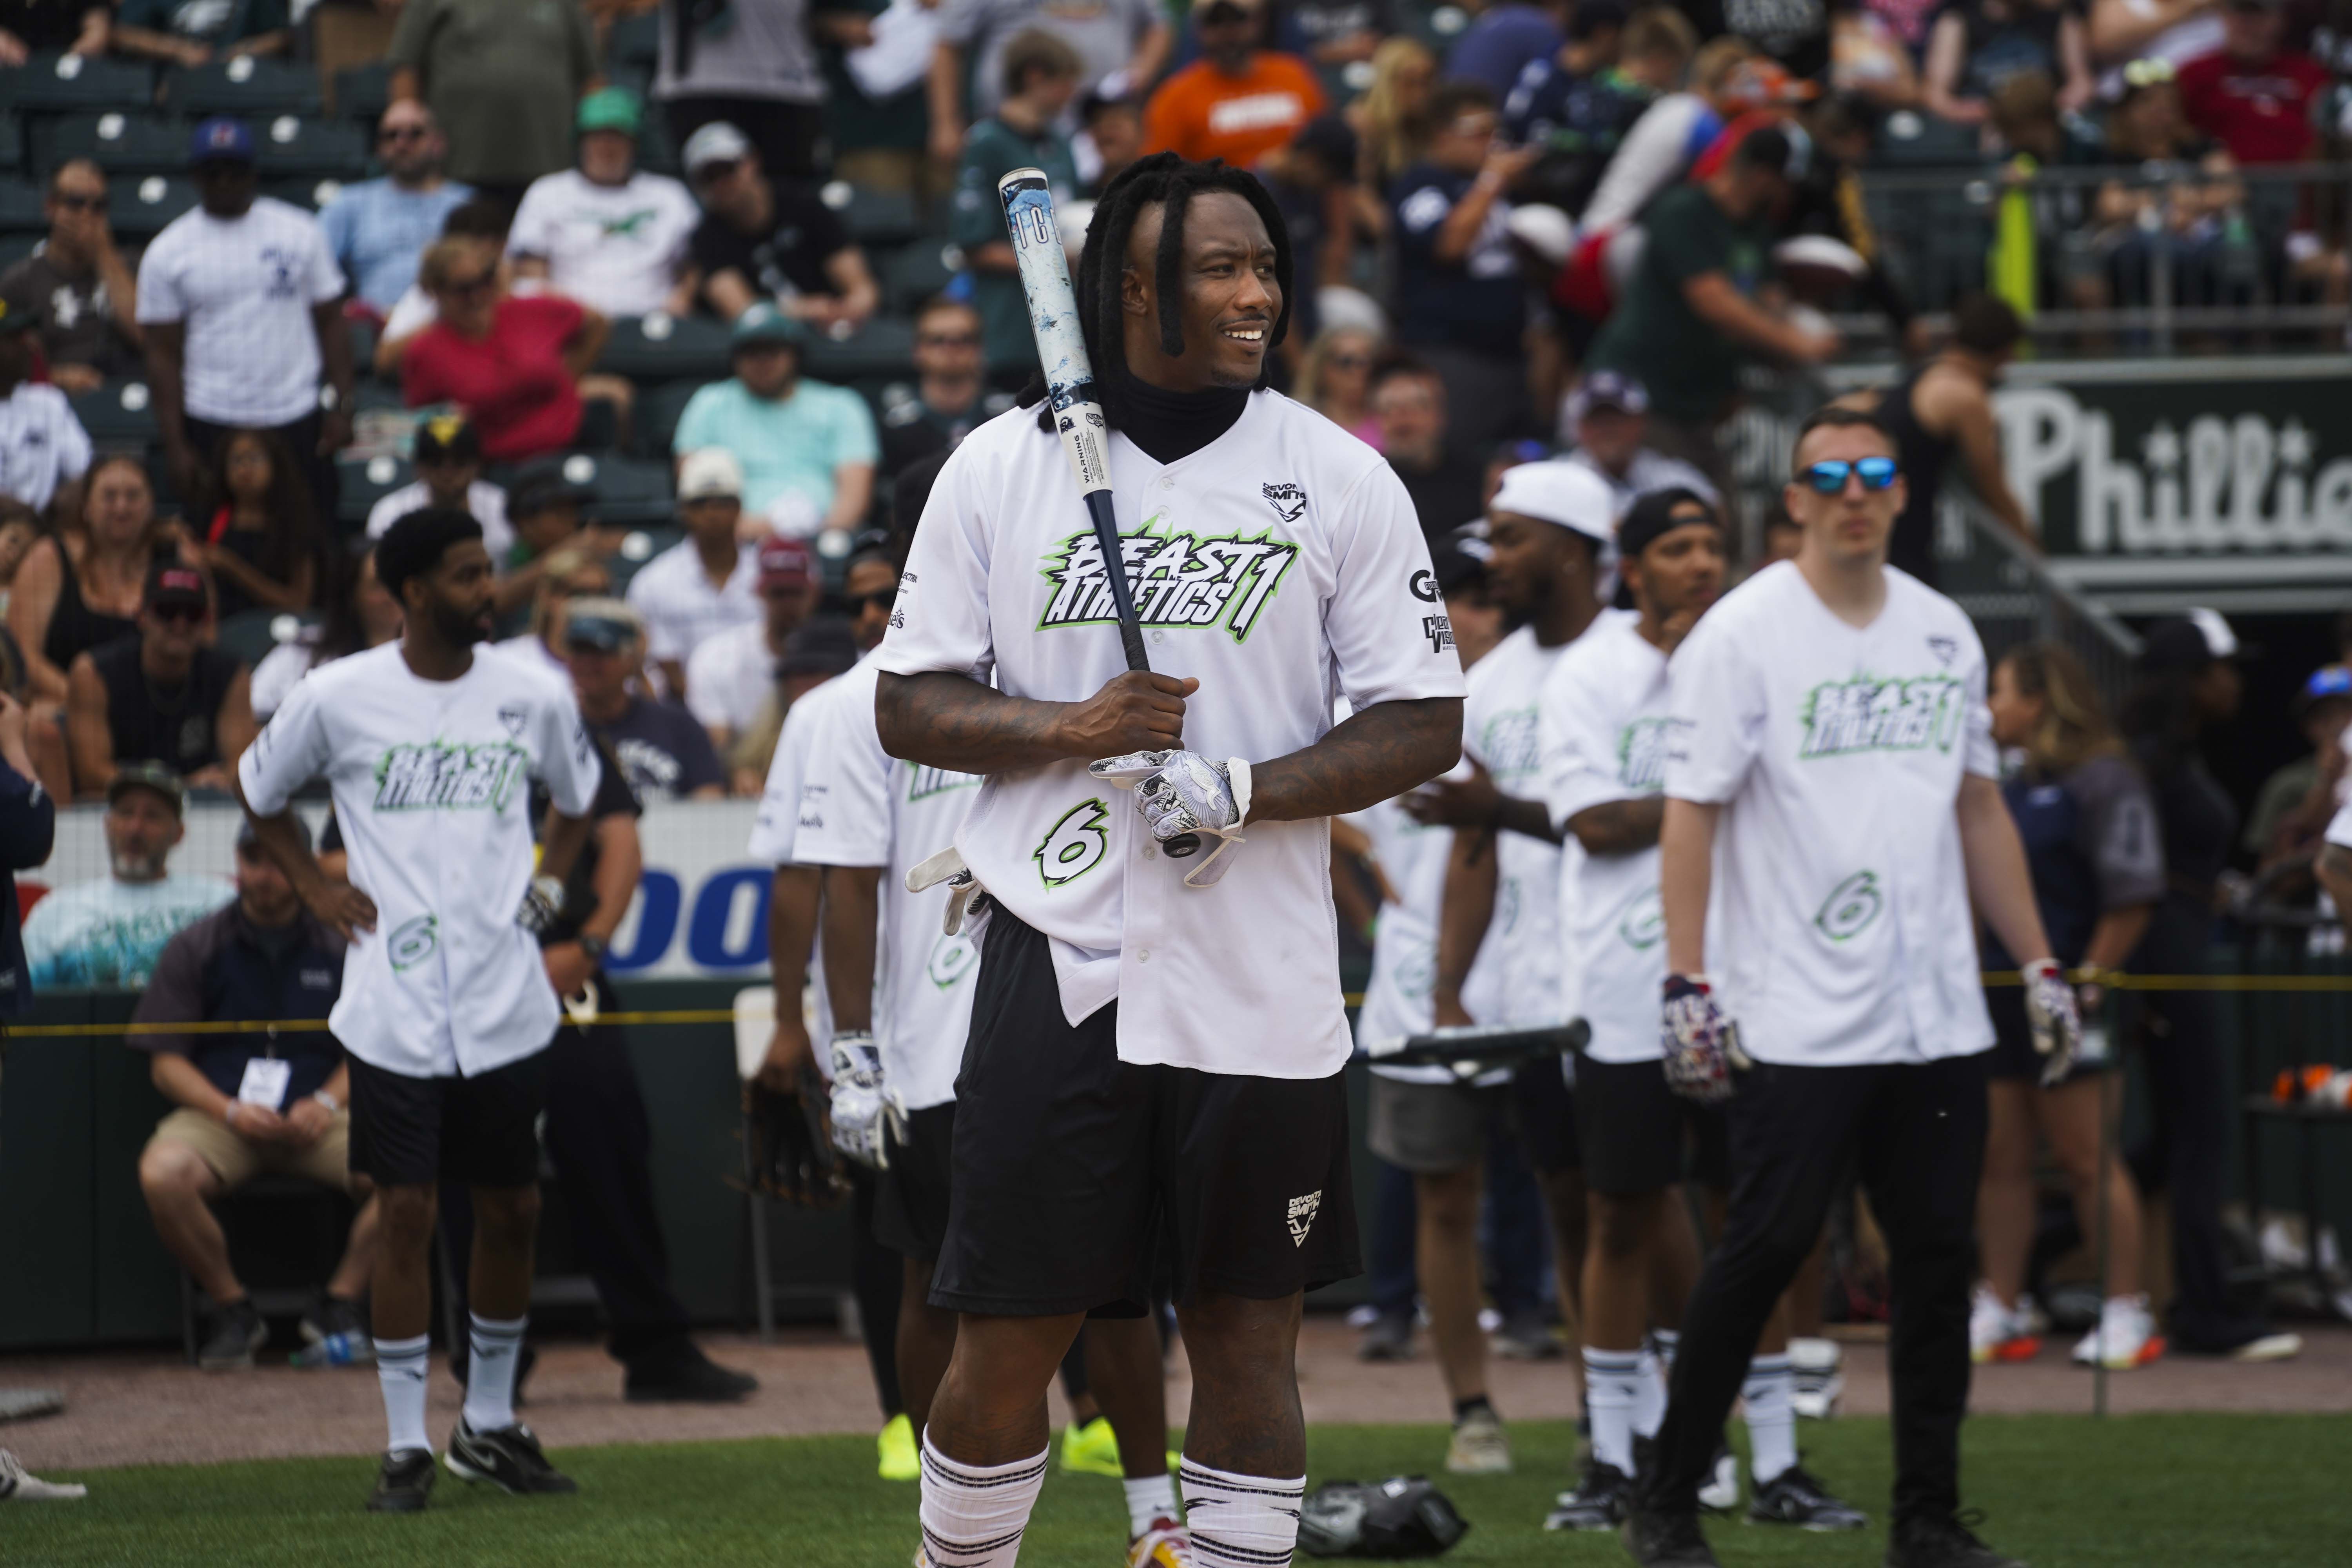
<point x="302" y="438"/>
<point x="878" y="1277"/>
<point x="1917" y="1135"/>
<point x="786" y="135"/>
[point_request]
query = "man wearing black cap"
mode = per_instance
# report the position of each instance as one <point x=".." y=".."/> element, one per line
<point x="111" y="930"/>
<point x="44" y="450"/>
<point x="447" y="453"/>
<point x="165" y="696"/>
<point x="447" y="1012"/>
<point x="664" y="753"/>
<point x="1606" y="421"/>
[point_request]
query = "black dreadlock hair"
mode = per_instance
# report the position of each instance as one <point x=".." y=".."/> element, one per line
<point x="1171" y="182"/>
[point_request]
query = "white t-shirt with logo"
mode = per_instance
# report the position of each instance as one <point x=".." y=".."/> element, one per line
<point x="42" y="445"/>
<point x="617" y="249"/>
<point x="1606" y="718"/>
<point x="776" y="840"/>
<point x="1399" y="997"/>
<point x="244" y="287"/>
<point x="860" y="806"/>
<point x="1277" y="565"/>
<point x="431" y="782"/>
<point x="1839" y="930"/>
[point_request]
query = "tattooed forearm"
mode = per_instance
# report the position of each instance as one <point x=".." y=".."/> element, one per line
<point x="952" y="722"/>
<point x="1619" y="827"/>
<point x="1380" y="752"/>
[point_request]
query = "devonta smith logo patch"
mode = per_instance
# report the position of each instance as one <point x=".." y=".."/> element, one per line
<point x="1302" y="1216"/>
<point x="1290" y="502"/>
<point x="1176" y="579"/>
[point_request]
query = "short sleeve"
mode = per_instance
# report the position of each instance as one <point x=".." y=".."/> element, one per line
<point x="532" y="232"/>
<point x="1983" y="754"/>
<point x="940" y="620"/>
<point x="1389" y="643"/>
<point x="698" y="759"/>
<point x="335" y="221"/>
<point x="775" y="830"/>
<point x="846" y="791"/>
<point x="1578" y="746"/>
<point x="695" y="425"/>
<point x="1717" y="704"/>
<point x="567" y="757"/>
<point x="959" y="21"/>
<point x="326" y="278"/>
<point x="159" y="285"/>
<point x="1420" y="212"/>
<point x="292" y="749"/>
<point x="854" y="437"/>
<point x="2119" y="832"/>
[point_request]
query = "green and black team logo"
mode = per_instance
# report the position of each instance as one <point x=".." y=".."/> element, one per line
<point x="1642" y="753"/>
<point x="1643" y="924"/>
<point x="1852" y="905"/>
<point x="922" y="782"/>
<point x="1075" y="845"/>
<point x="1176" y="579"/>
<point x="1867" y="714"/>
<point x="952" y="958"/>
<point x="449" y="777"/>
<point x="413" y="941"/>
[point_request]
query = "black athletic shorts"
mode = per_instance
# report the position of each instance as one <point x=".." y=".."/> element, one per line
<point x="482" y="1130"/>
<point x="1076" y="1172"/>
<point x="911" y="1193"/>
<point x="1545" y="1110"/>
<point x="2012" y="1054"/>
<point x="1639" y="1135"/>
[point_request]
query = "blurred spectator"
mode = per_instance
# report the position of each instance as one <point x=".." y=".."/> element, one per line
<point x="752" y="63"/>
<point x="1109" y="138"/>
<point x="79" y="286"/>
<point x="502" y="80"/>
<point x="166" y="697"/>
<point x="2253" y="95"/>
<point x="1341" y="31"/>
<point x="821" y="649"/>
<point x="707" y="581"/>
<point x="2142" y="226"/>
<point x="44" y="450"/>
<point x="1796" y="36"/>
<point x="661" y="751"/>
<point x="606" y="233"/>
<point x="261" y="545"/>
<point x="249" y="1104"/>
<point x="193" y="32"/>
<point x="1121" y="45"/>
<point x="949" y="399"/>
<point x="877" y="87"/>
<point x="1577" y="104"/>
<point x="81" y="587"/>
<point x="1870" y="61"/>
<point x="730" y="673"/>
<point x="1783" y="535"/>
<point x="111" y="930"/>
<point x="761" y="241"/>
<point x="2173" y="31"/>
<point x="1448" y="488"/>
<point x="28" y="824"/>
<point x="2279" y="828"/>
<point x="806" y="449"/>
<point x="567" y="573"/>
<point x="479" y="218"/>
<point x="1976" y="45"/>
<point x="547" y="512"/>
<point x="1334" y="380"/>
<point x="1690" y="313"/>
<point x="1313" y="182"/>
<point x="1240" y="100"/>
<point x="1502" y="41"/>
<point x="20" y="529"/>
<point x="377" y="229"/>
<point x="1459" y="305"/>
<point x="447" y="453"/>
<point x="1393" y="117"/>
<point x="513" y="364"/>
<point x="1671" y="134"/>
<point x="32" y="27"/>
<point x="360" y="616"/>
<point x="1604" y="423"/>
<point x="1830" y="202"/>
<point x="242" y="305"/>
<point x="1041" y="77"/>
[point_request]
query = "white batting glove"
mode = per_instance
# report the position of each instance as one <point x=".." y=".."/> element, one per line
<point x="858" y="1102"/>
<point x="1702" y="1043"/>
<point x="1179" y="792"/>
<point x="2056" y="1022"/>
<point x="542" y="903"/>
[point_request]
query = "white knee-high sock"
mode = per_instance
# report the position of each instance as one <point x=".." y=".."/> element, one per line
<point x="1650" y="1396"/>
<point x="973" y="1514"/>
<point x="1771" y="1417"/>
<point x="1151" y="1498"/>
<point x="400" y="1366"/>
<point x="495" y="1347"/>
<point x="1241" y="1521"/>
<point x="1613" y="1386"/>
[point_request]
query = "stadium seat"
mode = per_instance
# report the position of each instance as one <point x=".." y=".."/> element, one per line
<point x="885" y="347"/>
<point x="11" y="143"/>
<point x="64" y="84"/>
<point x="309" y="192"/>
<point x="246" y="86"/>
<point x="121" y="143"/>
<point x="1909" y="140"/>
<point x="364" y="481"/>
<point x="666" y="348"/>
<point x="627" y="490"/>
<point x="362" y="91"/>
<point x="291" y="146"/>
<point x="641" y="545"/>
<point x="119" y="414"/>
<point x="913" y="273"/>
<point x="20" y="207"/>
<point x="140" y="205"/>
<point x="634" y="40"/>
<point x="658" y="414"/>
<point x="250" y="634"/>
<point x="15" y="248"/>
<point x="873" y="217"/>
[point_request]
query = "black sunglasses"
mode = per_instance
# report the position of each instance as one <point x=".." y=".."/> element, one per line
<point x="881" y="599"/>
<point x="710" y="174"/>
<point x="192" y="614"/>
<point x="402" y="133"/>
<point x="79" y="203"/>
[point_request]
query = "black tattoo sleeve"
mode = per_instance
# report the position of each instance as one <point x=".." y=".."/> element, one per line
<point x="952" y="722"/>
<point x="1380" y="752"/>
<point x="1619" y="826"/>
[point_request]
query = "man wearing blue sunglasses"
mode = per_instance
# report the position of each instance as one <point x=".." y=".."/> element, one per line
<point x="1833" y="812"/>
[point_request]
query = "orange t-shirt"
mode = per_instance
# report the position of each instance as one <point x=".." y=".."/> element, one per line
<point x="1201" y="112"/>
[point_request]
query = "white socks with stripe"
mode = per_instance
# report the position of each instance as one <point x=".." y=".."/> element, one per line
<point x="400" y="1366"/>
<point x="1149" y="1499"/>
<point x="1650" y="1398"/>
<point x="495" y="1346"/>
<point x="973" y="1514"/>
<point x="1613" y="1386"/>
<point x="1241" y="1521"/>
<point x="1771" y="1414"/>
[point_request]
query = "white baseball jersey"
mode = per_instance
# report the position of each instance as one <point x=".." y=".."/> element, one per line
<point x="1399" y="997"/>
<point x="1280" y="565"/>
<point x="1605" y="721"/>
<point x="432" y="788"/>
<point x="244" y="287"/>
<point x="615" y="249"/>
<point x="681" y="608"/>
<point x="775" y="838"/>
<point x="1839" y="929"/>
<point x="42" y="445"/>
<point x="860" y="806"/>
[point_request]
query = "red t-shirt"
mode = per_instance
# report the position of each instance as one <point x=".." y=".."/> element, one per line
<point x="512" y="384"/>
<point x="2262" y="113"/>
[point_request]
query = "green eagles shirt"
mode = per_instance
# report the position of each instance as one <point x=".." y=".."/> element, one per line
<point x="1653" y="335"/>
<point x="992" y="150"/>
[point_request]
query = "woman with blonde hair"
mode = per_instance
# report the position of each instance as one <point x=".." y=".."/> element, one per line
<point x="2092" y="841"/>
<point x="1392" y="117"/>
<point x="1335" y="380"/>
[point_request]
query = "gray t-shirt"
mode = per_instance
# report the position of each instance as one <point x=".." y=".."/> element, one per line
<point x="1104" y="33"/>
<point x="747" y="48"/>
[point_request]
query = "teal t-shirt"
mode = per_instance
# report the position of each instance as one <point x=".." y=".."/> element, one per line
<point x="790" y="445"/>
<point x="992" y="150"/>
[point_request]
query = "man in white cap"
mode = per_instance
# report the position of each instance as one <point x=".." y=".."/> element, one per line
<point x="707" y="582"/>
<point x="1551" y="536"/>
<point x="1607" y="421"/>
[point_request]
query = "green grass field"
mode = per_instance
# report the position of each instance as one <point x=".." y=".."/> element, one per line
<point x="2201" y="1490"/>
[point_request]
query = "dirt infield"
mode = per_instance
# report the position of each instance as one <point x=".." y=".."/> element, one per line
<point x="147" y="1408"/>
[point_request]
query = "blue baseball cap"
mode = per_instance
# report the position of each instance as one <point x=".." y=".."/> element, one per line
<point x="2328" y="680"/>
<point x="221" y="139"/>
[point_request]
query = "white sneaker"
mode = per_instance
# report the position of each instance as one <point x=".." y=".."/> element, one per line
<point x="1999" y="1333"/>
<point x="1819" y="1381"/>
<point x="1480" y="1447"/>
<point x="2270" y="1347"/>
<point x="18" y="1484"/>
<point x="1720" y="1492"/>
<point x="2126" y="1338"/>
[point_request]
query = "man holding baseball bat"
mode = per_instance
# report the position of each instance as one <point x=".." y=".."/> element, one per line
<point x="1157" y="1038"/>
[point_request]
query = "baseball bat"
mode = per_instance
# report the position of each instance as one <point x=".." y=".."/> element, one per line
<point x="1070" y="393"/>
<point x="1485" y="1045"/>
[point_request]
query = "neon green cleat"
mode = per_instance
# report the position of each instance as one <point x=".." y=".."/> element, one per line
<point x="896" y="1448"/>
<point x="1091" y="1449"/>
